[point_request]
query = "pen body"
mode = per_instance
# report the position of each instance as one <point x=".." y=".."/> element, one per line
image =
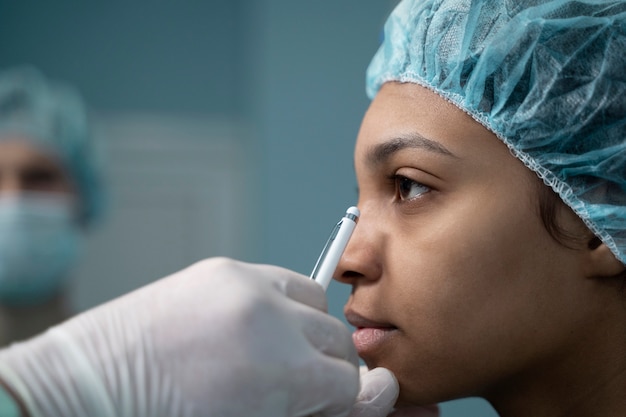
<point x="323" y="273"/>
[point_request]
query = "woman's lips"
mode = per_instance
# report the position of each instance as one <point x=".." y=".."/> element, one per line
<point x="369" y="339"/>
<point x="369" y="335"/>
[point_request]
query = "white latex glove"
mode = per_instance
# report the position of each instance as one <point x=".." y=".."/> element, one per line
<point x="220" y="338"/>
<point x="378" y="394"/>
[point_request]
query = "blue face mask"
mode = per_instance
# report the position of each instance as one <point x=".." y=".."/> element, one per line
<point x="40" y="241"/>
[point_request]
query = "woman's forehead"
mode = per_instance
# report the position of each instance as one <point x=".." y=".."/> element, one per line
<point x="402" y="110"/>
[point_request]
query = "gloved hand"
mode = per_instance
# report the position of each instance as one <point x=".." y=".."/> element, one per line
<point x="220" y="338"/>
<point x="379" y="392"/>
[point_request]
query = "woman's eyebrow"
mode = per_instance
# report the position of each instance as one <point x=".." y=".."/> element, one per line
<point x="382" y="152"/>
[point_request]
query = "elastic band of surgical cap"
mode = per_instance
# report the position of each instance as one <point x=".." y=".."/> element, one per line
<point x="547" y="77"/>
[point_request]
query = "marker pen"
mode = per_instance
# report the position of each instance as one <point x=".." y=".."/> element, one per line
<point x="335" y="245"/>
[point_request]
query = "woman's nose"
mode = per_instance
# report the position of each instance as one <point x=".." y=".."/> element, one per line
<point x="361" y="259"/>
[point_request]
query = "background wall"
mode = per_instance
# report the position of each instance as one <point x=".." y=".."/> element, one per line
<point x="228" y="124"/>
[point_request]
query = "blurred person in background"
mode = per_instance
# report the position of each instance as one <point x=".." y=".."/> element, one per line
<point x="50" y="196"/>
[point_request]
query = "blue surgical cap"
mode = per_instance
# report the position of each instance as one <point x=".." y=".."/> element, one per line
<point x="547" y="77"/>
<point x="53" y="115"/>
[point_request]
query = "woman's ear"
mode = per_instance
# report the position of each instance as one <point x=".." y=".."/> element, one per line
<point x="603" y="263"/>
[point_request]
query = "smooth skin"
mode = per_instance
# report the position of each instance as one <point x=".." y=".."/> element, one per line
<point x="458" y="288"/>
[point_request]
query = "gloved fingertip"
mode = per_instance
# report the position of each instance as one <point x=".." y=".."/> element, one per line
<point x="379" y="378"/>
<point x="379" y="391"/>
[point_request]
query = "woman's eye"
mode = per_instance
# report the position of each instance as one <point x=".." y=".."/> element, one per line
<point x="408" y="189"/>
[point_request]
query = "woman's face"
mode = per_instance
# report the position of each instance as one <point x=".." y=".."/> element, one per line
<point x="457" y="286"/>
